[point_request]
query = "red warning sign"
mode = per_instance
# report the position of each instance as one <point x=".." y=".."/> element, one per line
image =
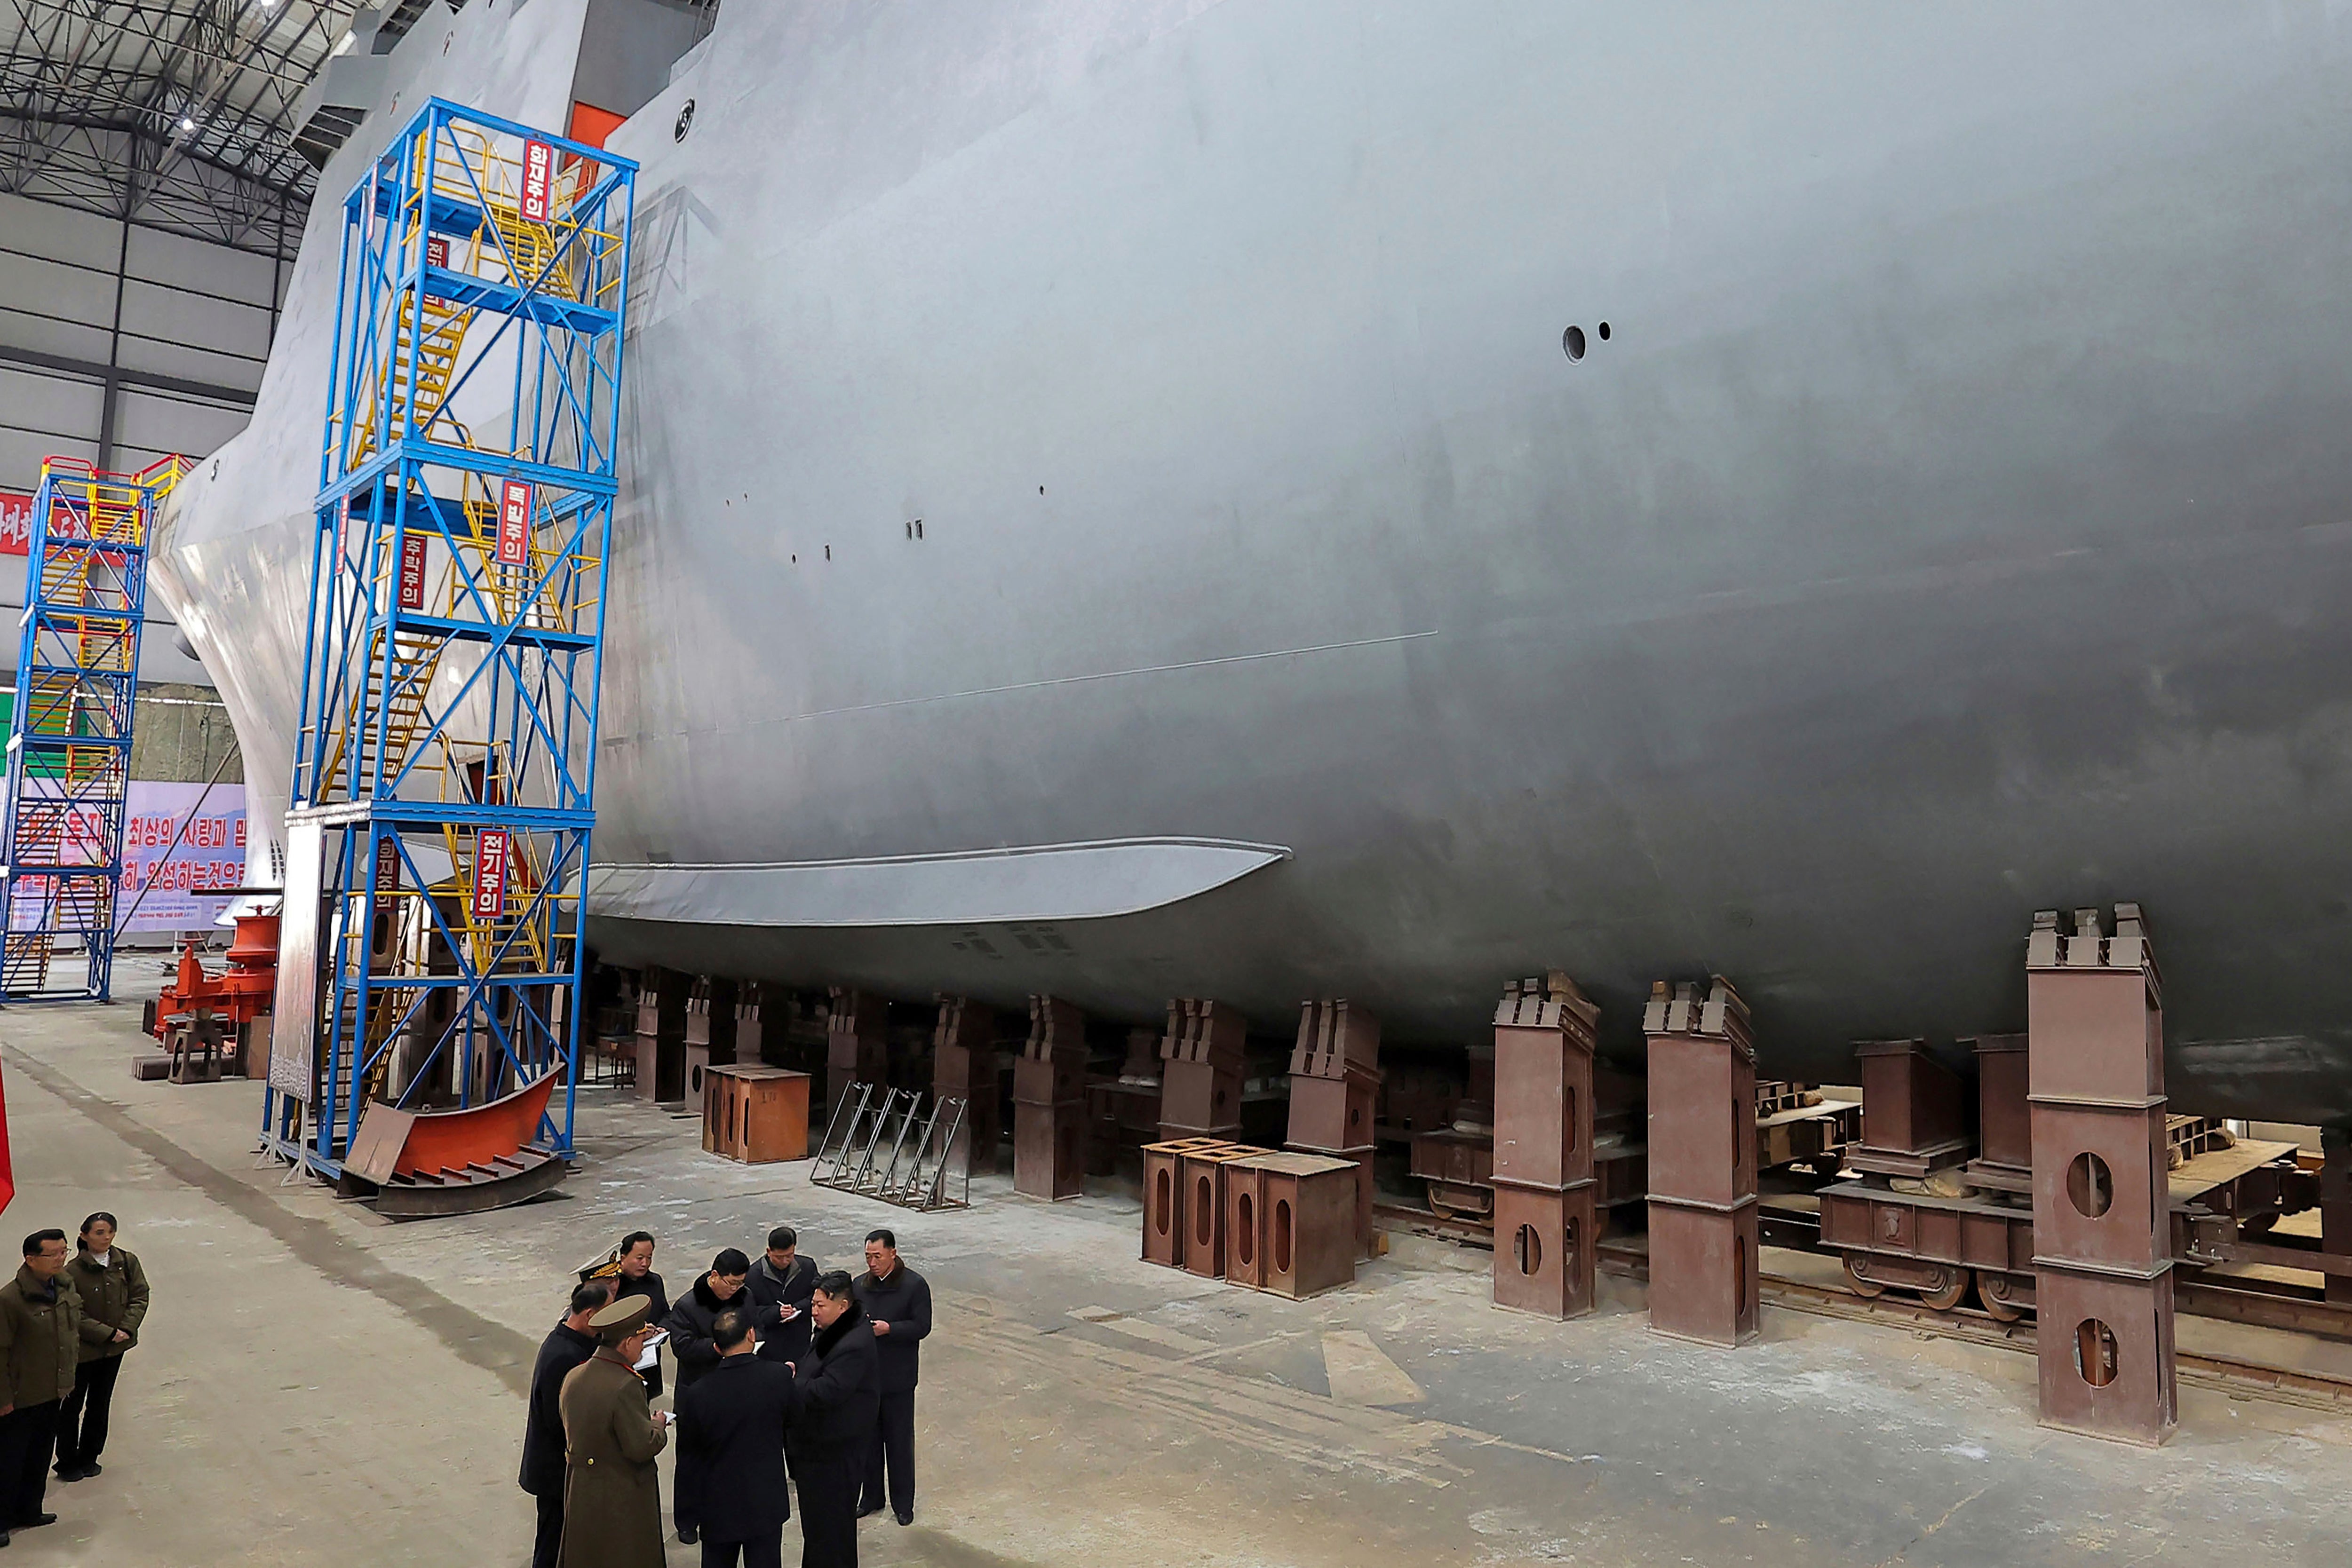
<point x="412" y="572"/>
<point x="514" y="524"/>
<point x="489" y="874"/>
<point x="538" y="180"/>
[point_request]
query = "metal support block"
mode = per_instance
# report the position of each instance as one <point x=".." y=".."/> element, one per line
<point x="2336" y="1205"/>
<point x="2102" y="1230"/>
<point x="1913" y="1111"/>
<point x="1702" y="1272"/>
<point x="1049" y="1111"/>
<point x="1200" y="1098"/>
<point x="963" y="1067"/>
<point x="1333" y="1035"/>
<point x="1202" y="1171"/>
<point x="1702" y="1164"/>
<point x="1163" y="1197"/>
<point x="1543" y="1086"/>
<point x="2104" y="1342"/>
<point x="1545" y="1244"/>
<point x="2004" y="1122"/>
<point x="1330" y="1115"/>
<point x="856" y="1047"/>
<point x="1290" y="1223"/>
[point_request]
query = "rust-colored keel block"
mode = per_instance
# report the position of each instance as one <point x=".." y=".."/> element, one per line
<point x="1202" y="1171"/>
<point x="1335" y="1086"/>
<point x="2004" y="1159"/>
<point x="1545" y="1243"/>
<point x="1201" y="1061"/>
<point x="1049" y="1102"/>
<point x="1546" y="1229"/>
<point x="963" y="1067"/>
<point x="854" y="1044"/>
<point x="756" y="1115"/>
<point x="2102" y="1225"/>
<point x="1290" y="1223"/>
<point x="1913" y="1111"/>
<point x="2335" y="1204"/>
<point x="1702" y="1159"/>
<point x="661" y="1037"/>
<point x="1163" y="1198"/>
<point x="710" y="1032"/>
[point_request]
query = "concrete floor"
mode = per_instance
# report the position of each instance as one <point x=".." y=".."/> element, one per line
<point x="317" y="1385"/>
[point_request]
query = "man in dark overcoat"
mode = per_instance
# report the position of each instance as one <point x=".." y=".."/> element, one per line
<point x="690" y="1341"/>
<point x="841" y="1391"/>
<point x="568" y="1344"/>
<point x="732" y="1421"/>
<point x="784" y="1278"/>
<point x="612" y="1495"/>
<point x="898" y="1302"/>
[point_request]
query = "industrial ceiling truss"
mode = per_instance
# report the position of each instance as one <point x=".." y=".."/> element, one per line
<point x="180" y="114"/>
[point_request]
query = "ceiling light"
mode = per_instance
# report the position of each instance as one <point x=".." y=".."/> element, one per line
<point x="186" y="124"/>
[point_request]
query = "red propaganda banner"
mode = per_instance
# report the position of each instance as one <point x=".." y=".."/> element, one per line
<point x="436" y="250"/>
<point x="489" y="874"/>
<point x="538" y="180"/>
<point x="387" y="865"/>
<point x="15" y="523"/>
<point x="412" y="572"/>
<point x="514" y="524"/>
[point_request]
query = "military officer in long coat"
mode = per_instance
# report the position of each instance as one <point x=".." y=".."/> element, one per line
<point x="612" y="1495"/>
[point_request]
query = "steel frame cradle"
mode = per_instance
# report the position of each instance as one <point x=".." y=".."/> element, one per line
<point x="442" y="795"/>
<point x="858" y="1163"/>
<point x="69" y="733"/>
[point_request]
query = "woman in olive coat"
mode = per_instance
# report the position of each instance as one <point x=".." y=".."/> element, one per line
<point x="113" y="1291"/>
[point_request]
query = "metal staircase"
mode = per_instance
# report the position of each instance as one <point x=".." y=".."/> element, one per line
<point x="69" y="731"/>
<point x="442" y="795"/>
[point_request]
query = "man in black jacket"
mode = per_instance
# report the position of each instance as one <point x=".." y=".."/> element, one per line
<point x="840" y="1393"/>
<point x="689" y="1324"/>
<point x="732" y="1422"/>
<point x="898" y="1302"/>
<point x="785" y="1280"/>
<point x="630" y="1272"/>
<point x="571" y="1343"/>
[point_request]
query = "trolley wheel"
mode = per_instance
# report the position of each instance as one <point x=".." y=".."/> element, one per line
<point x="1439" y="1208"/>
<point x="1827" y="1166"/>
<point x="2257" y="1224"/>
<point x="1862" y="1286"/>
<point x="1945" y="1298"/>
<point x="2000" y="1308"/>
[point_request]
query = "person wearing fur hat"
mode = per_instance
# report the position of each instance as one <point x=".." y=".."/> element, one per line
<point x="689" y="1324"/>
<point x="841" y="1401"/>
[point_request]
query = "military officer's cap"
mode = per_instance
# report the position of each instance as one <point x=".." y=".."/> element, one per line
<point x="616" y="1321"/>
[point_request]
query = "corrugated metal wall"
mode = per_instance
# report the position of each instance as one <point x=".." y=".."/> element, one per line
<point x="119" y="345"/>
<point x="181" y="328"/>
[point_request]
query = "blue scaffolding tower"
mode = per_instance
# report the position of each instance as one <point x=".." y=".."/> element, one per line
<point x="70" y="727"/>
<point x="445" y="771"/>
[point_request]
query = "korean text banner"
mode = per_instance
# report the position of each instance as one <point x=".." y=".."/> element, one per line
<point x="177" y="894"/>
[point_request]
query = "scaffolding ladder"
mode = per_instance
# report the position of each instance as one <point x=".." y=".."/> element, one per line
<point x="443" y="791"/>
<point x="70" y="730"/>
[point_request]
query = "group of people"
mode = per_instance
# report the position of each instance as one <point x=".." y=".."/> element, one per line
<point x="785" y="1372"/>
<point x="66" y="1322"/>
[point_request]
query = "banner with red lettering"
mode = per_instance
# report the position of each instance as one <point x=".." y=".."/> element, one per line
<point x="514" y="524"/>
<point x="15" y="523"/>
<point x="538" y="180"/>
<point x="489" y="874"/>
<point x="412" y="572"/>
<point x="180" y="892"/>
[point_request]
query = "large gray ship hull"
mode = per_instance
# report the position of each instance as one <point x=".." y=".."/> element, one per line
<point x="1154" y="429"/>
